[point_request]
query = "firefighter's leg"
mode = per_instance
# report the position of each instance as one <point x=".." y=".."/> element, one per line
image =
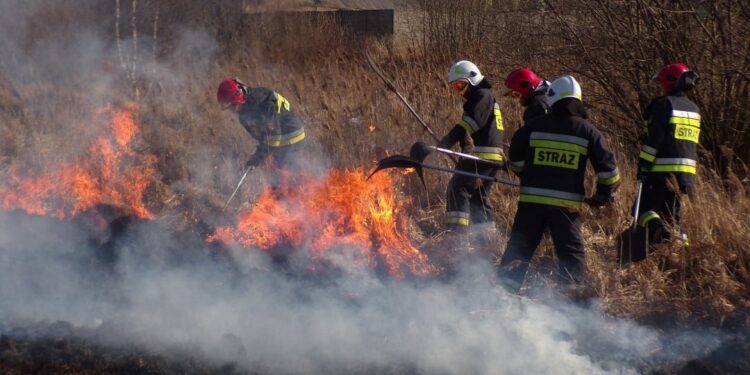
<point x="458" y="213"/>
<point x="528" y="227"/>
<point x="483" y="232"/>
<point x="457" y="219"/>
<point x="481" y="207"/>
<point x="673" y="213"/>
<point x="565" y="227"/>
<point x="651" y="208"/>
<point x="288" y="165"/>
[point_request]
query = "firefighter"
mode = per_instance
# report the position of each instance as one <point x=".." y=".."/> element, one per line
<point x="479" y="132"/>
<point x="668" y="160"/>
<point x="530" y="90"/>
<point x="267" y="116"/>
<point x="550" y="153"/>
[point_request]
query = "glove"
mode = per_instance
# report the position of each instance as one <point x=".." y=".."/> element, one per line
<point x="641" y="175"/>
<point x="419" y="151"/>
<point x="253" y="161"/>
<point x="643" y="168"/>
<point x="599" y="200"/>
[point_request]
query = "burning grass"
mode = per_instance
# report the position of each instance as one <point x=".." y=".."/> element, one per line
<point x="110" y="173"/>
<point x="339" y="211"/>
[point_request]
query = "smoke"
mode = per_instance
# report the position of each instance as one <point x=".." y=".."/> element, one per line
<point x="164" y="293"/>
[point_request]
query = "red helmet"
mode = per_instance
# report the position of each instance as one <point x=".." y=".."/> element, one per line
<point x="231" y="92"/>
<point x="669" y="75"/>
<point x="522" y="81"/>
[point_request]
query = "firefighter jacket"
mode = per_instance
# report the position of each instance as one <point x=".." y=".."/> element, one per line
<point x="481" y="125"/>
<point x="266" y="115"/>
<point x="550" y="155"/>
<point x="673" y="127"/>
<point x="536" y="104"/>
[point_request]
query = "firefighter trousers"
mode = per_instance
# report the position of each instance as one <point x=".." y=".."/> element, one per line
<point x="468" y="198"/>
<point x="660" y="206"/>
<point x="528" y="227"/>
<point x="287" y="164"/>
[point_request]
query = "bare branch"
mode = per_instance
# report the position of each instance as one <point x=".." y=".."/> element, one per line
<point x="117" y="34"/>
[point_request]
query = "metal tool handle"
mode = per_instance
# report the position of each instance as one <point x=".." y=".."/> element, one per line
<point x="637" y="206"/>
<point x="250" y="168"/>
<point x="466" y="156"/>
<point x="477" y="175"/>
<point x="392" y="87"/>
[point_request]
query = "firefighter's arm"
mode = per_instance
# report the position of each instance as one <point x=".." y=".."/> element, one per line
<point x="474" y="117"/>
<point x="519" y="146"/>
<point x="607" y="173"/>
<point x="657" y="124"/>
<point x="456" y="135"/>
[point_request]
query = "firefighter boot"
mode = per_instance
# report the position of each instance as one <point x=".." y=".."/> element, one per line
<point x="453" y="248"/>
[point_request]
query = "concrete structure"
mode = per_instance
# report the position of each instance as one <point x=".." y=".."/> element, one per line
<point x="368" y="17"/>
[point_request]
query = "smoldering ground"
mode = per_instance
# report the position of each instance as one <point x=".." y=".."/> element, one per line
<point x="166" y="292"/>
<point x="163" y="293"/>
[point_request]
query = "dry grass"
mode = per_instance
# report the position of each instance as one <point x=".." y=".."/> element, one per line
<point x="327" y="80"/>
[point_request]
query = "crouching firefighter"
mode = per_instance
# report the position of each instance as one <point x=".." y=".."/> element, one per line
<point x="267" y="116"/>
<point x="530" y="90"/>
<point x="480" y="133"/>
<point x="549" y="153"/>
<point x="668" y="159"/>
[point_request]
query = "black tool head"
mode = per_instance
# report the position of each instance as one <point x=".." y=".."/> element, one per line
<point x="419" y="151"/>
<point x="400" y="161"/>
<point x="632" y="245"/>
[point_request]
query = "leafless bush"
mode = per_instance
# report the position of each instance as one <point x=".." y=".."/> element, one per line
<point x="622" y="43"/>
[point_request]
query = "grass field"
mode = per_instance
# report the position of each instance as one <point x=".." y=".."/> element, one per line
<point x="352" y="120"/>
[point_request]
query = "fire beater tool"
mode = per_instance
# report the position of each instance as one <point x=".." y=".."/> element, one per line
<point x="419" y="150"/>
<point x="250" y="168"/>
<point x="632" y="244"/>
<point x="401" y="161"/>
<point x="391" y="86"/>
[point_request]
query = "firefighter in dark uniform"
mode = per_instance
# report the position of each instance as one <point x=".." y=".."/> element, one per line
<point x="549" y="153"/>
<point x="530" y="90"/>
<point x="267" y="116"/>
<point x="480" y="133"/>
<point x="669" y="152"/>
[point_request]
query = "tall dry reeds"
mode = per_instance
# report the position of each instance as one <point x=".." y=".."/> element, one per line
<point x="354" y="119"/>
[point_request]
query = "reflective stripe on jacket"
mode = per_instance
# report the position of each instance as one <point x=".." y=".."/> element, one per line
<point x="672" y="136"/>
<point x="550" y="155"/>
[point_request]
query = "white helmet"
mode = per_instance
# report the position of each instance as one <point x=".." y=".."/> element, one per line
<point x="564" y="87"/>
<point x="465" y="70"/>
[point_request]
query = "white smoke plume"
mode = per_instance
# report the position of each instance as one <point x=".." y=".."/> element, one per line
<point x="165" y="292"/>
<point x="163" y="295"/>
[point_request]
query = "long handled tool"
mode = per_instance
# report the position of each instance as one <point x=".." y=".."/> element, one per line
<point x="393" y="88"/>
<point x="401" y="161"/>
<point x="632" y="243"/>
<point x="236" y="189"/>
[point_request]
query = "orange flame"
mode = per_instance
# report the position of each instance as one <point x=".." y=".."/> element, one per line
<point x="339" y="210"/>
<point x="111" y="173"/>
